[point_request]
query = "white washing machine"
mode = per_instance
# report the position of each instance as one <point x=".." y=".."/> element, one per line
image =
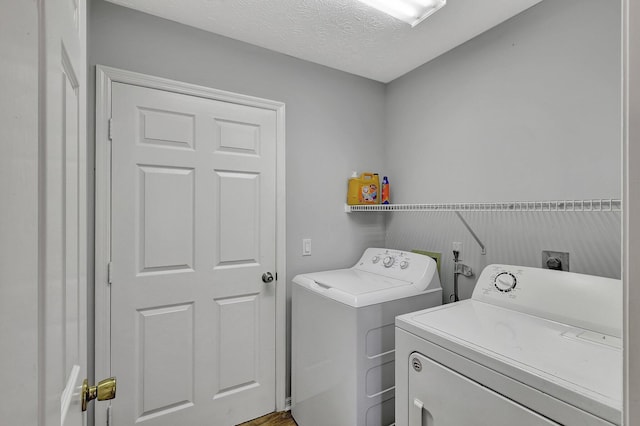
<point x="343" y="336"/>
<point x="531" y="347"/>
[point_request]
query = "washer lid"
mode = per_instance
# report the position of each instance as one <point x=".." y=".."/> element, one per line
<point x="356" y="288"/>
<point x="580" y="367"/>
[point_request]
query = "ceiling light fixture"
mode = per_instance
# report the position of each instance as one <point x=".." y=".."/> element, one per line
<point x="410" y="11"/>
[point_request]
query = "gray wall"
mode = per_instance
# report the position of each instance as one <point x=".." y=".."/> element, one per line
<point x="334" y="120"/>
<point x="530" y="110"/>
<point x="527" y="111"/>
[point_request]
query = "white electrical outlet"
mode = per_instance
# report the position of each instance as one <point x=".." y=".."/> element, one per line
<point x="457" y="246"/>
<point x="306" y="247"/>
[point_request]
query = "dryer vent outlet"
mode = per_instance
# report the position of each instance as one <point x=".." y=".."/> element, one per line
<point x="558" y="260"/>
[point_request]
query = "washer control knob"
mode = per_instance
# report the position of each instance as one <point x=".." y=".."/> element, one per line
<point x="388" y="261"/>
<point x="375" y="259"/>
<point x="505" y="282"/>
<point x="404" y="264"/>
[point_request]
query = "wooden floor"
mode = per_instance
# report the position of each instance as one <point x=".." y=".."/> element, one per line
<point x="282" y="418"/>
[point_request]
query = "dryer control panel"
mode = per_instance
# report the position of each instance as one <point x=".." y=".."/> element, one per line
<point x="505" y="282"/>
<point x="501" y="280"/>
<point x="585" y="301"/>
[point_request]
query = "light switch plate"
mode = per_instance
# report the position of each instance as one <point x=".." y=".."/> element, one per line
<point x="306" y="247"/>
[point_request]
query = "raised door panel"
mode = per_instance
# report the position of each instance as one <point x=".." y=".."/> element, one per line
<point x="71" y="281"/>
<point x="166" y="229"/>
<point x="235" y="344"/>
<point x="167" y="128"/>
<point x="165" y="347"/>
<point x="237" y="138"/>
<point x="238" y="221"/>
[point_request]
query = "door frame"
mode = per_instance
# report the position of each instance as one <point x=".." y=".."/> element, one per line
<point x="105" y="77"/>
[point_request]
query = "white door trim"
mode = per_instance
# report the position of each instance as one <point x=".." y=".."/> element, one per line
<point x="105" y="77"/>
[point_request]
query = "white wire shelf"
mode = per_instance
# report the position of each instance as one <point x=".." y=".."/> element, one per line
<point x="595" y="205"/>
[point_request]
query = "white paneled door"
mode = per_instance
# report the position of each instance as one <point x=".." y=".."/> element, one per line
<point x="63" y="204"/>
<point x="193" y="217"/>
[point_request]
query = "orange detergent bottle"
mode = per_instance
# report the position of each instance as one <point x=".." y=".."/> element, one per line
<point x="363" y="189"/>
<point x="369" y="188"/>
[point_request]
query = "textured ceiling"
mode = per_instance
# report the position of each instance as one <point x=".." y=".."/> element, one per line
<point x="342" y="34"/>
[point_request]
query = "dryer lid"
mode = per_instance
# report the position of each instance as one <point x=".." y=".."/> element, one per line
<point x="578" y="366"/>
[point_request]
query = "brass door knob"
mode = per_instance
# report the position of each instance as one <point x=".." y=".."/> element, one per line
<point x="105" y="390"/>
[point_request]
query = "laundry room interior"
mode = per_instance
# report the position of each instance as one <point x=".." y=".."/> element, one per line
<point x="512" y="136"/>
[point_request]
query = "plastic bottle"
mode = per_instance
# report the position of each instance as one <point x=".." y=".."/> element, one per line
<point x="385" y="191"/>
<point x="353" y="191"/>
<point x="363" y="189"/>
<point x="370" y="184"/>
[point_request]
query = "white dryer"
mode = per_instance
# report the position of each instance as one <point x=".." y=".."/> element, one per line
<point x="531" y="347"/>
<point x="342" y="330"/>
